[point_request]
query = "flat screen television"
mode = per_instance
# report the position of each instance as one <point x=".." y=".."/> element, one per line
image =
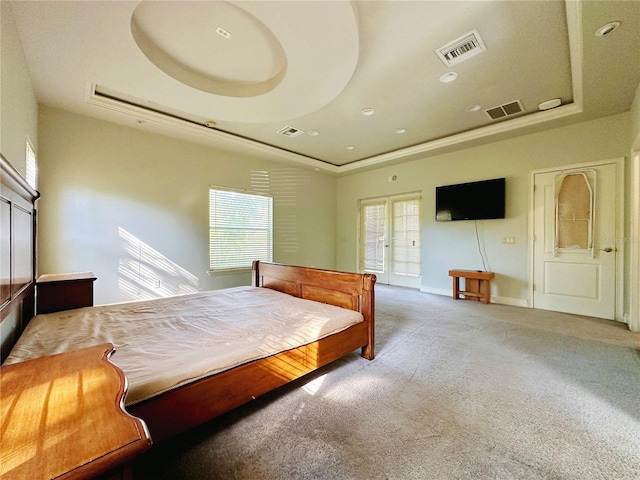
<point x="471" y="201"/>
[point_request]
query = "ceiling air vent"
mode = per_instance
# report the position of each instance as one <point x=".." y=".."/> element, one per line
<point x="461" y="49"/>
<point x="506" y="110"/>
<point x="290" y="131"/>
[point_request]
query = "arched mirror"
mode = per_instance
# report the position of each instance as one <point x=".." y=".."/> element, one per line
<point x="574" y="212"/>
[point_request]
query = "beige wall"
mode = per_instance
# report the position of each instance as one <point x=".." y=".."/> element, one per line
<point x="453" y="245"/>
<point x="635" y="120"/>
<point x="18" y="106"/>
<point x="633" y="233"/>
<point x="132" y="207"/>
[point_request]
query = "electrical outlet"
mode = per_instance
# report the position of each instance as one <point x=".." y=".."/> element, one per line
<point x="509" y="240"/>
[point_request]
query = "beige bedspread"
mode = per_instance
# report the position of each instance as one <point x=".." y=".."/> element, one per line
<point x="164" y="343"/>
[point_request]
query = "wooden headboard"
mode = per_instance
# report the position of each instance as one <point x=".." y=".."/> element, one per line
<point x="354" y="291"/>
<point x="17" y="254"/>
<point x="343" y="289"/>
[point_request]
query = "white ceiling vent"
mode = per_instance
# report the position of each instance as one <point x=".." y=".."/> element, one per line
<point x="461" y="49"/>
<point x="506" y="110"/>
<point x="290" y="131"/>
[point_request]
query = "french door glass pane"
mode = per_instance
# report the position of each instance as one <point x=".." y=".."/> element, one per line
<point x="372" y="237"/>
<point x="406" y="237"/>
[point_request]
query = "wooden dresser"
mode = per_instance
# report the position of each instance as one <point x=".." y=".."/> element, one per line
<point x="62" y="416"/>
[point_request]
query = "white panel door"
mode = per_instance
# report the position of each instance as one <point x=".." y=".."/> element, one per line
<point x="574" y="266"/>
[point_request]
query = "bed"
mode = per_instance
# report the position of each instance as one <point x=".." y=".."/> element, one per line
<point x="189" y="402"/>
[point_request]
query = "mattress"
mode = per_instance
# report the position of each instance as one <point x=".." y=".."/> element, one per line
<point x="164" y="343"/>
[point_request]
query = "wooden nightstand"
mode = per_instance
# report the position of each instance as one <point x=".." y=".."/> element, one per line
<point x="62" y="416"/>
<point x="55" y="293"/>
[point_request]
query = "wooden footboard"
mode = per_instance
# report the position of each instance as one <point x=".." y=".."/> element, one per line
<point x="183" y="408"/>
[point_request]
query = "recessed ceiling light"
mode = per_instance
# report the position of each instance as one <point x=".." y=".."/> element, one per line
<point x="367" y="112"/>
<point x="448" y="77"/>
<point x="607" y="29"/>
<point x="400" y="131"/>
<point x="313" y="133"/>
<point x="473" y="108"/>
<point x="350" y="147"/>
<point x="223" y="33"/>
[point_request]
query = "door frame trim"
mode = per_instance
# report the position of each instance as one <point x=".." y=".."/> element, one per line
<point x="619" y="228"/>
<point x="634" y="241"/>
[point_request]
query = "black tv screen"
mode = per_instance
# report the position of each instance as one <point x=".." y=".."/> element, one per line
<point x="471" y="201"/>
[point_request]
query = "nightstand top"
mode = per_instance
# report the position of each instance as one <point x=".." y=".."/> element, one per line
<point x="65" y="277"/>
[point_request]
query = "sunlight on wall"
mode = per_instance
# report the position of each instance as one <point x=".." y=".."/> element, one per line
<point x="144" y="273"/>
<point x="283" y="184"/>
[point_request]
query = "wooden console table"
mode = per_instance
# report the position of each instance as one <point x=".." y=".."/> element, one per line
<point x="62" y="416"/>
<point x="477" y="284"/>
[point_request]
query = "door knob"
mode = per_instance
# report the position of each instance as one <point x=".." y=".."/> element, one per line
<point x="607" y="249"/>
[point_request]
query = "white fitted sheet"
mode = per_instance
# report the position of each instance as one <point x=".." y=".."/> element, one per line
<point x="164" y="343"/>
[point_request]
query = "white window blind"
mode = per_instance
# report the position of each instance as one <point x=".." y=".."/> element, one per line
<point x="32" y="166"/>
<point x="240" y="229"/>
<point x="372" y="241"/>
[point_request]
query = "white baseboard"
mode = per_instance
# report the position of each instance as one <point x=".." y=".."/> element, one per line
<point x="437" y="291"/>
<point x="514" y="302"/>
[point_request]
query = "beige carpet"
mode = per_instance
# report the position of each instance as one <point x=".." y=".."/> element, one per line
<point x="458" y="390"/>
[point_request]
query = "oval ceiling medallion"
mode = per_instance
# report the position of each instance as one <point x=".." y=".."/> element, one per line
<point x="215" y="47"/>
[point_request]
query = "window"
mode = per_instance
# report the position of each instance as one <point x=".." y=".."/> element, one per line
<point x="32" y="166"/>
<point x="240" y="229"/>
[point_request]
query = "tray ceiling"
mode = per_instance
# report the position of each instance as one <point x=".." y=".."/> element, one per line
<point x="350" y="84"/>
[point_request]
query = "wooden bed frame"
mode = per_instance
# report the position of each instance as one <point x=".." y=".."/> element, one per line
<point x="185" y="407"/>
<point x="195" y="403"/>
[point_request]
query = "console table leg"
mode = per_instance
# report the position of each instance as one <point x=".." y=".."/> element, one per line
<point x="486" y="287"/>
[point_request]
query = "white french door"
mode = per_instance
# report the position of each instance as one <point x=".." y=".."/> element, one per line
<point x="389" y="243"/>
